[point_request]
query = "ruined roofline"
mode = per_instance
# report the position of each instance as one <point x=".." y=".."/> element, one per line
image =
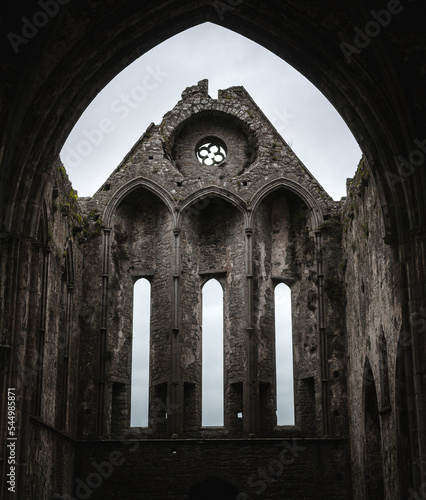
<point x="133" y="149"/>
<point x="240" y="93"/>
<point x="234" y="101"/>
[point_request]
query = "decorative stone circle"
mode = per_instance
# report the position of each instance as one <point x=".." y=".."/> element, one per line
<point x="211" y="151"/>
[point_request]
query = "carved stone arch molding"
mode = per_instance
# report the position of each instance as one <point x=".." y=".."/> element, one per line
<point x="123" y="262"/>
<point x="139" y="182"/>
<point x="198" y="200"/>
<point x="286" y="218"/>
<point x="317" y="208"/>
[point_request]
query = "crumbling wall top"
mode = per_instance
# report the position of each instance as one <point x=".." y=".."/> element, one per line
<point x="227" y="143"/>
<point x="201" y="89"/>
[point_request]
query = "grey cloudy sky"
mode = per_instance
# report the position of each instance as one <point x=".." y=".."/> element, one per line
<point x="152" y="85"/>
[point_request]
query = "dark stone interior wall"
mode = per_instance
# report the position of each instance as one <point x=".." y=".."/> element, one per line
<point x="212" y="244"/>
<point x="49" y="375"/>
<point x="367" y="263"/>
<point x="276" y="468"/>
<point x="377" y="337"/>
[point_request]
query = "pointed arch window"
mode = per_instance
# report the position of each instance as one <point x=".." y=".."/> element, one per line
<point x="140" y="353"/>
<point x="212" y="354"/>
<point x="284" y="355"/>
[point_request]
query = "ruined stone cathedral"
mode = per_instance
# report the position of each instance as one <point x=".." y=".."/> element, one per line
<point x="213" y="192"/>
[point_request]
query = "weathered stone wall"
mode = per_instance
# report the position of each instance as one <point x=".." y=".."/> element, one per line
<point x="373" y="312"/>
<point x="284" y="251"/>
<point x="59" y="71"/>
<point x="178" y="224"/>
<point x="49" y="376"/>
<point x="275" y="468"/>
<point x="51" y="463"/>
<point x="265" y="155"/>
<point x="333" y="337"/>
<point x="213" y="222"/>
<point x="213" y="247"/>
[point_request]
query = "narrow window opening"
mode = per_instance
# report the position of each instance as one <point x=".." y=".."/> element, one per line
<point x="284" y="355"/>
<point x="140" y="353"/>
<point x="212" y="354"/>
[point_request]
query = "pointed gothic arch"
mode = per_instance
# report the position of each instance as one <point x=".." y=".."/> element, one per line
<point x="373" y="462"/>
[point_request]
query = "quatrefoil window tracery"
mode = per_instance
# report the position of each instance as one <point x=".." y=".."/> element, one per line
<point x="211" y="152"/>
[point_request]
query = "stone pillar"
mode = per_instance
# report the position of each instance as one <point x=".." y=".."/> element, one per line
<point x="103" y="333"/>
<point x="322" y="337"/>
<point x="251" y="386"/>
<point x="175" y="399"/>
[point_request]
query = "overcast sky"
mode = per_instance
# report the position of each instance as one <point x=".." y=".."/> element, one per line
<point x="153" y="84"/>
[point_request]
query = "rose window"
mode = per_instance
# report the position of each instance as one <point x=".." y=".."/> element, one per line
<point x="211" y="151"/>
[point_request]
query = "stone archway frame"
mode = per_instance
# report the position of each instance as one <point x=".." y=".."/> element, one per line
<point x="108" y="215"/>
<point x="129" y="187"/>
<point x="196" y="200"/>
<point x="317" y="217"/>
<point x="47" y="113"/>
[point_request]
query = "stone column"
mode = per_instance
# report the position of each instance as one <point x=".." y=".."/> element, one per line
<point x="175" y="399"/>
<point x="251" y="386"/>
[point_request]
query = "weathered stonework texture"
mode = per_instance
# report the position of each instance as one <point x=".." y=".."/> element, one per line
<point x="375" y="340"/>
<point x="252" y="220"/>
<point x="364" y="282"/>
